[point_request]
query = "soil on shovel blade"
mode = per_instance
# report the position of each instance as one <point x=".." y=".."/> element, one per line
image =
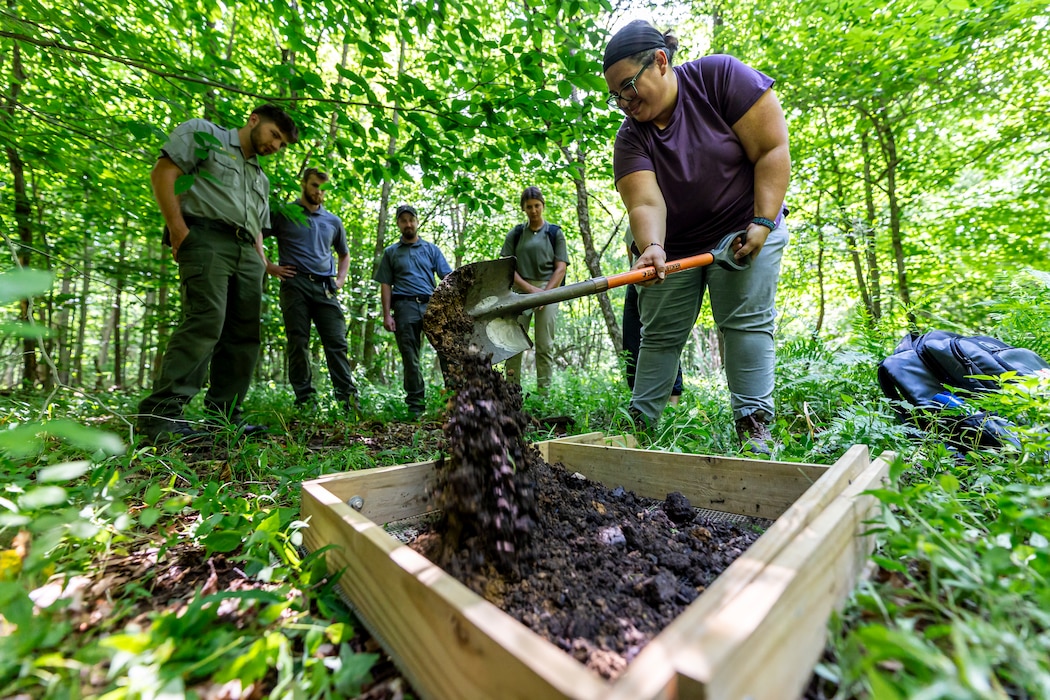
<point x="598" y="572"/>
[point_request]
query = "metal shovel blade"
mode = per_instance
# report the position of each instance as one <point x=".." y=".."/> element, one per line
<point x="497" y="329"/>
<point x="489" y="302"/>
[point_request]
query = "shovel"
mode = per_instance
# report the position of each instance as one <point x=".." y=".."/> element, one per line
<point x="493" y="307"/>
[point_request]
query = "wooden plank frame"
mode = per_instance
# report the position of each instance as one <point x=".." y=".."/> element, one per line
<point x="756" y="632"/>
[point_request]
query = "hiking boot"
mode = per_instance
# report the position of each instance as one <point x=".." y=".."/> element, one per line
<point x="754" y="435"/>
<point x="352" y="408"/>
<point x="240" y="427"/>
<point x="249" y="429"/>
<point x="162" y="430"/>
<point x="307" y="403"/>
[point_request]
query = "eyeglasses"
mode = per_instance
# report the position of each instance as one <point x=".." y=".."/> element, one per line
<point x="615" y="98"/>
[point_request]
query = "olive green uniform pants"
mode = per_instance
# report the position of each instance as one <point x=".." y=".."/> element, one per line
<point x="221" y="277"/>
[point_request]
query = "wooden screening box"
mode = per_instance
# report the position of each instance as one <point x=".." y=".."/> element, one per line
<point x="756" y="632"/>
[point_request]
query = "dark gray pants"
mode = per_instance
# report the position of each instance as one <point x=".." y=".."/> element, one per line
<point x="305" y="301"/>
<point x="408" y="314"/>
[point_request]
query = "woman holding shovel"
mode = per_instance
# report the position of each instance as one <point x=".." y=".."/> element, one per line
<point x="541" y="261"/>
<point x="702" y="152"/>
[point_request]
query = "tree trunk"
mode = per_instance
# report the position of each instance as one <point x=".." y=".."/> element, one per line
<point x="46" y="370"/>
<point x="102" y="358"/>
<point x="846" y="224"/>
<point x="869" y="234"/>
<point x="888" y="146"/>
<point x="23" y="209"/>
<point x="118" y="297"/>
<point x="369" y="354"/>
<point x="458" y="216"/>
<point x="144" y="338"/>
<point x="82" y="311"/>
<point x="821" y="300"/>
<point x="590" y="256"/>
<point x="25" y="237"/>
<point x="895" y="227"/>
<point x="62" y="328"/>
<point x="163" y="328"/>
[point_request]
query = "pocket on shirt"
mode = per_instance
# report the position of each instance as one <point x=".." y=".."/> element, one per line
<point x="222" y="167"/>
<point x="260" y="187"/>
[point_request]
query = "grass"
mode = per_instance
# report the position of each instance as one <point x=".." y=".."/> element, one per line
<point x="94" y="531"/>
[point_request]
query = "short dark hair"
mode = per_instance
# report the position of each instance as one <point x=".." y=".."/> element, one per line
<point x="311" y="172"/>
<point x="532" y="192"/>
<point x="273" y="113"/>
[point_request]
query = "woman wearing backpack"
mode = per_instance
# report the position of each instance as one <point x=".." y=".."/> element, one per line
<point x="539" y="247"/>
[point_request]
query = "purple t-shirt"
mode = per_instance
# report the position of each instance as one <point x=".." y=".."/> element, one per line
<point x="706" y="179"/>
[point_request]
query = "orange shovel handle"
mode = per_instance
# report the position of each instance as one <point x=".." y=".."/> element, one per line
<point x="644" y="274"/>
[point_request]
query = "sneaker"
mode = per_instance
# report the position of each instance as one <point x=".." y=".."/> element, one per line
<point x="754" y="435"/>
<point x="163" y="430"/>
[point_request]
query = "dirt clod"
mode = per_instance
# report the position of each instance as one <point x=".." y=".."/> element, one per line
<point x="678" y="508"/>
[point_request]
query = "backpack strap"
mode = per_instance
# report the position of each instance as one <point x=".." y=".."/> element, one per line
<point x="552" y="234"/>
<point x="515" y="236"/>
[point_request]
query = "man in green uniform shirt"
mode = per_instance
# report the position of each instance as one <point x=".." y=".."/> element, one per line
<point x="215" y="232"/>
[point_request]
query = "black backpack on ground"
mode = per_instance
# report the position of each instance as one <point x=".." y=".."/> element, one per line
<point x="935" y="371"/>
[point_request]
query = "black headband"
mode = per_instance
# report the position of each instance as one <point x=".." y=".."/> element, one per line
<point x="636" y="37"/>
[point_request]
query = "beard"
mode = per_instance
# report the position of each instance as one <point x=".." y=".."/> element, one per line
<point x="259" y="144"/>
<point x="313" y="199"/>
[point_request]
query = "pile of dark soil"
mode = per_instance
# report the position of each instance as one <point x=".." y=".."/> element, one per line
<point x="598" y="572"/>
<point x="602" y="571"/>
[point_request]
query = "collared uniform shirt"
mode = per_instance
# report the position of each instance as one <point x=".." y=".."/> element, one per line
<point x="409" y="269"/>
<point x="226" y="187"/>
<point x="308" y="246"/>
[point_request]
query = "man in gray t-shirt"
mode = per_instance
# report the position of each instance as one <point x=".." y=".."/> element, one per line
<point x="215" y="232"/>
<point x="406" y="280"/>
<point x="310" y="281"/>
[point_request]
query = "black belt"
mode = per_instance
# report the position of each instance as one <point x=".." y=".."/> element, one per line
<point x="319" y="279"/>
<point x="418" y="298"/>
<point x="217" y="225"/>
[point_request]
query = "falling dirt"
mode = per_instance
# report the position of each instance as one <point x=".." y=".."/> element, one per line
<point x="598" y="572"/>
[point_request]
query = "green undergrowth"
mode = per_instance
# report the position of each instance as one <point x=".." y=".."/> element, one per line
<point x="95" y="528"/>
<point x="958" y="605"/>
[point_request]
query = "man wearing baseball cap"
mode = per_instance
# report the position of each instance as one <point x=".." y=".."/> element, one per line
<point x="406" y="279"/>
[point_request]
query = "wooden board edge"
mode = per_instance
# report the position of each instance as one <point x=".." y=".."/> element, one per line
<point x="625" y="440"/>
<point x="749" y="487"/>
<point x="448" y="641"/>
<point x="764" y="642"/>
<point x="593" y="438"/>
<point x="842" y="474"/>
<point x="387" y="494"/>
